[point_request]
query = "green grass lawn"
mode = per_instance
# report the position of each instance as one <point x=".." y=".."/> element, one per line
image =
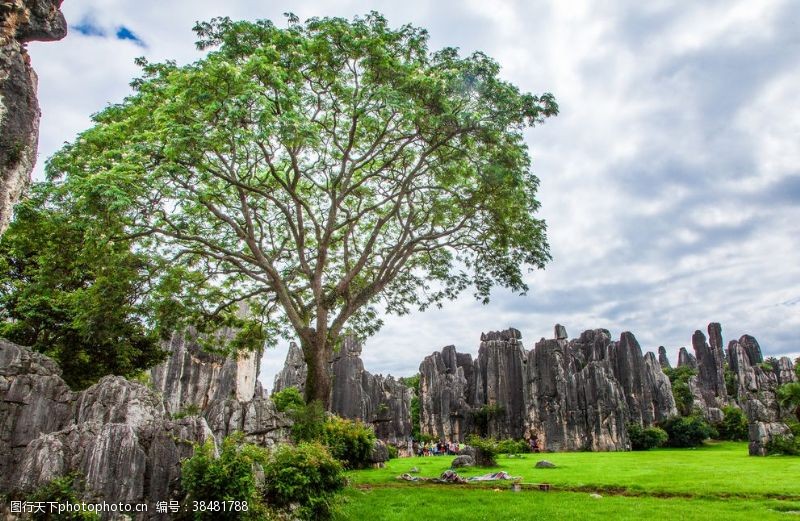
<point x="717" y="481"/>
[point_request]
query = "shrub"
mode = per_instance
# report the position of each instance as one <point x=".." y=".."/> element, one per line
<point x="784" y="445"/>
<point x="306" y="475"/>
<point x="733" y="426"/>
<point x="486" y="450"/>
<point x="510" y="446"/>
<point x="393" y="451"/>
<point x="59" y="490"/>
<point x="229" y="477"/>
<point x="687" y="431"/>
<point x="413" y="382"/>
<point x="288" y="399"/>
<point x="350" y="442"/>
<point x="308" y="422"/>
<point x="679" y="378"/>
<point x="189" y="410"/>
<point x="730" y="382"/>
<point x="646" y="439"/>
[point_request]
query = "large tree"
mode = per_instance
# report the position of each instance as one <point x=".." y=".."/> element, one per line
<point x="324" y="171"/>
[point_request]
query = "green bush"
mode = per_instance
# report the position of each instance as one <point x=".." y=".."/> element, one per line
<point x="59" y="490"/>
<point x="731" y="384"/>
<point x="288" y="399"/>
<point x="486" y="450"/>
<point x="733" y="427"/>
<point x="646" y="439"/>
<point x="784" y="445"/>
<point x="308" y="422"/>
<point x="679" y="378"/>
<point x="413" y="382"/>
<point x="189" y="410"/>
<point x="305" y="475"/>
<point x="227" y="477"/>
<point x="393" y="451"/>
<point x="687" y="431"/>
<point x="510" y="446"/>
<point x="350" y="442"/>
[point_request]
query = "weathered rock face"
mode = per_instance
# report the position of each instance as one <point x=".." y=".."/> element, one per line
<point x="193" y="378"/>
<point x="708" y="386"/>
<point x="444" y="390"/>
<point x="116" y="434"/>
<point x="258" y="419"/>
<point x="756" y="390"/>
<point x="686" y="359"/>
<point x="21" y="21"/>
<point x="663" y="359"/>
<point x="356" y="394"/>
<point x="224" y="390"/>
<point x="294" y="370"/>
<point x="574" y="395"/>
<point x="574" y="403"/>
<point x="34" y="400"/>
<point x="500" y="379"/>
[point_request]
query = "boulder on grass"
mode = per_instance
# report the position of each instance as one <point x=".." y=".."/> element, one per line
<point x="463" y="461"/>
<point x="544" y="464"/>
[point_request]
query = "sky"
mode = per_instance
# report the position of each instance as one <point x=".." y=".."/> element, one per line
<point x="670" y="180"/>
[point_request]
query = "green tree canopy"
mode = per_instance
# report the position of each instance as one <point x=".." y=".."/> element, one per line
<point x="70" y="290"/>
<point x="789" y="396"/>
<point x="324" y="172"/>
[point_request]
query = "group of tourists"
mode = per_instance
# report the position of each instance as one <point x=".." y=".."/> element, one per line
<point x="452" y="448"/>
<point x="439" y="448"/>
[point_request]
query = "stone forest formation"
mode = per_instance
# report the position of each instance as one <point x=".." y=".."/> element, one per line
<point x="128" y="439"/>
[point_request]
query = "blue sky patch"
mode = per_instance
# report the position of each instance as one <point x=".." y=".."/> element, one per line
<point x="89" y="27"/>
<point x="123" y="33"/>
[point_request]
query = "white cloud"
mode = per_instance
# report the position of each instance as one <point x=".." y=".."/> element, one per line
<point x="666" y="179"/>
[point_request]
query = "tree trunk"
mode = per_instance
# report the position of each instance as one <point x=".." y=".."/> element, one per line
<point x="318" y="380"/>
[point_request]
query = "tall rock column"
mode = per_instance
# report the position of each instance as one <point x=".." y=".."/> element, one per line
<point x="443" y="390"/>
<point x="500" y="379"/>
<point x="709" y="384"/>
<point x="21" y="21"/>
<point x="756" y="392"/>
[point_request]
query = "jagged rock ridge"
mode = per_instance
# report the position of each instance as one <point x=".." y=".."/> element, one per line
<point x="573" y="395"/>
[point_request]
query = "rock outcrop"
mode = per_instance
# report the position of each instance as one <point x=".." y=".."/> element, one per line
<point x="223" y="389"/>
<point x="21" y="21"/>
<point x="500" y="376"/>
<point x="116" y="435"/>
<point x="663" y="359"/>
<point x="709" y="384"/>
<point x="294" y="370"/>
<point x="445" y="409"/>
<point x="756" y="389"/>
<point x="357" y="394"/>
<point x="193" y="379"/>
<point x="686" y="359"/>
<point x="574" y="403"/>
<point x="574" y="395"/>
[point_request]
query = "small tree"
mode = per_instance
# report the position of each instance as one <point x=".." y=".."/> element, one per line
<point x="789" y="397"/>
<point x="733" y="425"/>
<point x="322" y="170"/>
<point x="71" y="290"/>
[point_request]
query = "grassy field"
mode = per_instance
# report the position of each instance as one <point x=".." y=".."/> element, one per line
<point x="718" y="481"/>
